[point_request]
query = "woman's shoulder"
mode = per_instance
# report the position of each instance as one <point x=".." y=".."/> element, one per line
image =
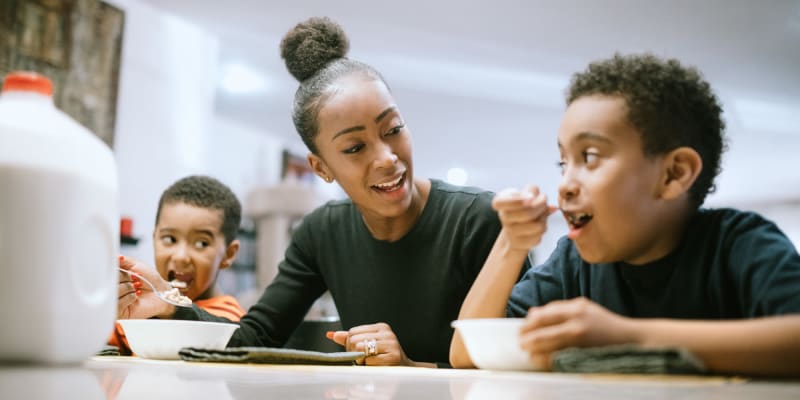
<point x="455" y="195"/>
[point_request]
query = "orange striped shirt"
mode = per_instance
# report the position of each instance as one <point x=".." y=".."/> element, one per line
<point x="220" y="306"/>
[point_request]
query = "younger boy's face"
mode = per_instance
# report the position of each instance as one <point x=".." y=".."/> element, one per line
<point x="609" y="190"/>
<point x="190" y="247"/>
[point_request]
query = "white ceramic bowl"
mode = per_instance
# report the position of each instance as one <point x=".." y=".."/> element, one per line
<point x="493" y="343"/>
<point x="162" y="338"/>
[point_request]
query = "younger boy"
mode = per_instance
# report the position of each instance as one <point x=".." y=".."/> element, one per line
<point x="640" y="146"/>
<point x="194" y="237"/>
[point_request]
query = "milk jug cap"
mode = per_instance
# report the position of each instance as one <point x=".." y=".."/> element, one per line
<point x="26" y="81"/>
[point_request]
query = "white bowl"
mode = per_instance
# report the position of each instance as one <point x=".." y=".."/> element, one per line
<point x="493" y="343"/>
<point x="162" y="338"/>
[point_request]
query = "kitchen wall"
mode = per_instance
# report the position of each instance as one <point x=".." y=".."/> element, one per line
<point x="166" y="126"/>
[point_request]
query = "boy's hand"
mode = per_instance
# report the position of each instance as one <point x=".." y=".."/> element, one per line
<point x="135" y="300"/>
<point x="523" y="215"/>
<point x="571" y="323"/>
<point x="388" y="349"/>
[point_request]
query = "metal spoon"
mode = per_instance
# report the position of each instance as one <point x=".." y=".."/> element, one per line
<point x="167" y="295"/>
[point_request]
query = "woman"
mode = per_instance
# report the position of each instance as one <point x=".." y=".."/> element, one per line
<point x="398" y="255"/>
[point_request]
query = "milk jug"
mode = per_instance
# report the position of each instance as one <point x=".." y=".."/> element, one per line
<point x="59" y="229"/>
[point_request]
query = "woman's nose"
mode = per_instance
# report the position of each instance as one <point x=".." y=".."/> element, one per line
<point x="386" y="157"/>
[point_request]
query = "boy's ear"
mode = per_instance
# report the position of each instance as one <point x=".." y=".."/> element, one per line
<point x="319" y="167"/>
<point x="230" y="254"/>
<point x="682" y="166"/>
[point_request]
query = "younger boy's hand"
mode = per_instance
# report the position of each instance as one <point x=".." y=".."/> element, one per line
<point x="135" y="300"/>
<point x="387" y="347"/>
<point x="571" y="323"/>
<point x="523" y="215"/>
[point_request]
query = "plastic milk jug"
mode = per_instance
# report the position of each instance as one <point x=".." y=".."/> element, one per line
<point x="59" y="229"/>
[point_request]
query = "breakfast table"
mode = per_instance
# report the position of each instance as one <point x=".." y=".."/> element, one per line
<point x="116" y="377"/>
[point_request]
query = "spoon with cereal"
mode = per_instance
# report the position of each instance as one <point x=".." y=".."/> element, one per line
<point x="172" y="296"/>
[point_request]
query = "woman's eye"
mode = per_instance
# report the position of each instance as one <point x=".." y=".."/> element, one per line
<point x="395" y="130"/>
<point x="354" y="149"/>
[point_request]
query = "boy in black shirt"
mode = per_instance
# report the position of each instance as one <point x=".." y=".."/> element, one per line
<point x="640" y="145"/>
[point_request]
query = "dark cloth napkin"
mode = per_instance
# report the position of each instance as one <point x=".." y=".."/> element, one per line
<point x="108" y="350"/>
<point x="627" y="359"/>
<point x="269" y="355"/>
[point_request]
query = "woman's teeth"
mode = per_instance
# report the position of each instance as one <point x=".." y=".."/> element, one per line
<point x="389" y="185"/>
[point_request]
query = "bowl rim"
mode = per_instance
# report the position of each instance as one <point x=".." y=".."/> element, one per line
<point x="493" y="321"/>
<point x="157" y="321"/>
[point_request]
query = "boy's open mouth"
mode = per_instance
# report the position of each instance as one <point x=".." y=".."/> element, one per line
<point x="577" y="220"/>
<point x="180" y="281"/>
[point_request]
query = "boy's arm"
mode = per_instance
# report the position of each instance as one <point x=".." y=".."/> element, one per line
<point x="760" y="346"/>
<point x="489" y="294"/>
<point x="524" y="219"/>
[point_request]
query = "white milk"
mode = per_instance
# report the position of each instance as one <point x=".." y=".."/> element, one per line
<point x="59" y="233"/>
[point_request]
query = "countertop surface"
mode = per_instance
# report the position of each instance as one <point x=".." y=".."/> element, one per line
<point x="134" y="378"/>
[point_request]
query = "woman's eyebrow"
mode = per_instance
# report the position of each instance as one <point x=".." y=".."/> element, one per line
<point x="384" y="113"/>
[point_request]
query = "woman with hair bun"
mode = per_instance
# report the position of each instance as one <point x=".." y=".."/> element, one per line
<point x="400" y="254"/>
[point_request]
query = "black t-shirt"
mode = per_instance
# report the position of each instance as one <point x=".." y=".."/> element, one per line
<point x="415" y="284"/>
<point x="729" y="265"/>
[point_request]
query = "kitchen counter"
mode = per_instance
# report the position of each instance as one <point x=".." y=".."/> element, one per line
<point x="134" y="378"/>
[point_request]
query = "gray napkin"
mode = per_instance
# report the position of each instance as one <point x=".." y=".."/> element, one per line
<point x="269" y="355"/>
<point x="627" y="359"/>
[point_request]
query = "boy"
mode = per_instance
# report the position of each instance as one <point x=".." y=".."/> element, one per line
<point x="194" y="237"/>
<point x="640" y="145"/>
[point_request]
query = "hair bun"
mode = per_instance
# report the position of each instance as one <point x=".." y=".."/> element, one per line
<point x="311" y="45"/>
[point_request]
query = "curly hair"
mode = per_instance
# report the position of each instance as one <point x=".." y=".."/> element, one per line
<point x="206" y="192"/>
<point x="671" y="105"/>
<point x="314" y="53"/>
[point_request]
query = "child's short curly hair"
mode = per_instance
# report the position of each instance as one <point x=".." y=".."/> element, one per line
<point x="206" y="192"/>
<point x="671" y="105"/>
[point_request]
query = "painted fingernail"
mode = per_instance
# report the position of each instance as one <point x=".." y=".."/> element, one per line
<point x="138" y="292"/>
<point x="329" y="334"/>
<point x="137" y="284"/>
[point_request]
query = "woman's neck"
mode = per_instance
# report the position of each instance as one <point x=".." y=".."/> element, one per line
<point x="391" y="229"/>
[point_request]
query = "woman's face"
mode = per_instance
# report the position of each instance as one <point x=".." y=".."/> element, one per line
<point x="364" y="145"/>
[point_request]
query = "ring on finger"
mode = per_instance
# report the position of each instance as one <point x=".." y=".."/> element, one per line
<point x="370" y="347"/>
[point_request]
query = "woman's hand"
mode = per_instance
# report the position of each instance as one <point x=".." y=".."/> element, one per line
<point x="523" y="215"/>
<point x="571" y="323"/>
<point x="387" y="349"/>
<point x="135" y="300"/>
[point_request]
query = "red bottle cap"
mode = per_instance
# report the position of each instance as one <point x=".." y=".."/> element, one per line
<point x="27" y="81"/>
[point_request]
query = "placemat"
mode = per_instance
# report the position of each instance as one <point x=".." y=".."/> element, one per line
<point x="627" y="359"/>
<point x="269" y="355"/>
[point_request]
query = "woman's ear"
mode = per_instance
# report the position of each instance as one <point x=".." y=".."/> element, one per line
<point x="682" y="166"/>
<point x="319" y="167"/>
<point x="230" y="254"/>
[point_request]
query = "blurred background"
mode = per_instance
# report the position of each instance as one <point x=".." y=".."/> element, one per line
<point x="202" y="89"/>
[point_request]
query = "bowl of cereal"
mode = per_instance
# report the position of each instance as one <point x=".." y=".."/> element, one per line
<point x="493" y="343"/>
<point x="162" y="338"/>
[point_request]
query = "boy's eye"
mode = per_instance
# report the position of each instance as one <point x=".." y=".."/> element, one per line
<point x="354" y="149"/>
<point x="201" y="244"/>
<point x="168" y="239"/>
<point x="561" y="164"/>
<point x="589" y="157"/>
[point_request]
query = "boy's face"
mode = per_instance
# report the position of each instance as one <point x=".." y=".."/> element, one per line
<point x="190" y="247"/>
<point x="609" y="190"/>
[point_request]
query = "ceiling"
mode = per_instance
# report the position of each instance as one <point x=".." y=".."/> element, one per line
<point x="480" y="83"/>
